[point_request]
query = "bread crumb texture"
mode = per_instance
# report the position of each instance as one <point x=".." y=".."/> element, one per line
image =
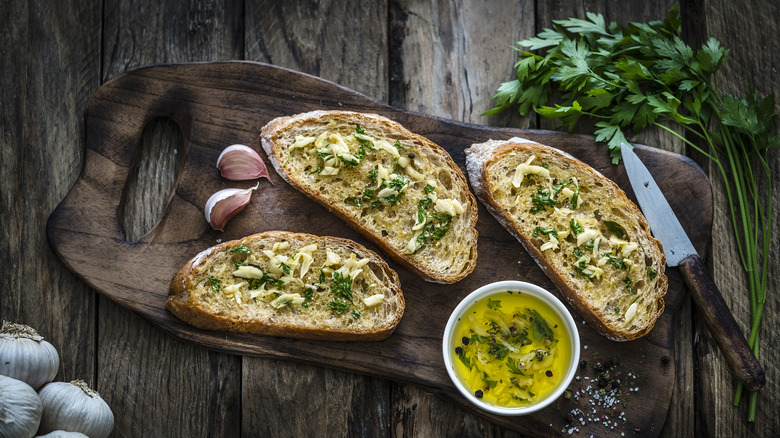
<point x="402" y="190"/>
<point x="288" y="284"/>
<point x="584" y="227"/>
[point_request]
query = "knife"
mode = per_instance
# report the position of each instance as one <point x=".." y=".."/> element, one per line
<point x="679" y="251"/>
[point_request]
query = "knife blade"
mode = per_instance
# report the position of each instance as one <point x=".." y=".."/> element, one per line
<point x="680" y="252"/>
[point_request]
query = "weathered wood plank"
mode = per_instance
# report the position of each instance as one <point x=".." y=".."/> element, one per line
<point x="162" y="386"/>
<point x="449" y="59"/>
<point x="50" y="55"/>
<point x="345" y="42"/>
<point x="680" y="419"/>
<point x="744" y="27"/>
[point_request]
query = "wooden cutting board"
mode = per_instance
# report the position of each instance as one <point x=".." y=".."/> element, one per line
<point x="218" y="104"/>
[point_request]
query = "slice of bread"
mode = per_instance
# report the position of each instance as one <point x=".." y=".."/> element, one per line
<point x="396" y="188"/>
<point x="292" y="285"/>
<point x="581" y="229"/>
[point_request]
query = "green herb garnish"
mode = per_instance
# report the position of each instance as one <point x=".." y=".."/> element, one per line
<point x="493" y="304"/>
<point x="627" y="281"/>
<point x="575" y="226"/>
<point x="617" y="263"/>
<point x="240" y="249"/>
<point x="615" y="228"/>
<point x="652" y="273"/>
<point x="214" y="283"/>
<point x="339" y="306"/>
<point x="355" y="200"/>
<point x="539" y="230"/>
<point x="539" y="326"/>
<point x="542" y="200"/>
<point x="500" y="351"/>
<point x="308" y="294"/>
<point x="513" y="367"/>
<point x="342" y="286"/>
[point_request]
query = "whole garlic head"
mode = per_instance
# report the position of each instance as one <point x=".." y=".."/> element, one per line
<point x="76" y="408"/>
<point x="62" y="434"/>
<point x="26" y="356"/>
<point x="20" y="408"/>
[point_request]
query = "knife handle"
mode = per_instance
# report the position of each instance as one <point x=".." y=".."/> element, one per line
<point x="722" y="325"/>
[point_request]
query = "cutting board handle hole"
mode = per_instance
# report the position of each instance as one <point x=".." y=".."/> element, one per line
<point x="152" y="177"/>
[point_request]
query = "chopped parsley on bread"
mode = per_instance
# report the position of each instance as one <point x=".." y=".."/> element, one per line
<point x="580" y="227"/>
<point x="398" y="189"/>
<point x="291" y="285"/>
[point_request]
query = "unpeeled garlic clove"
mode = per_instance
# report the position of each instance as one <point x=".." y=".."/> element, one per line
<point x="225" y="204"/>
<point x="241" y="163"/>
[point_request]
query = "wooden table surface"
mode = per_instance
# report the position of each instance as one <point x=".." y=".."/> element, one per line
<point x="439" y="58"/>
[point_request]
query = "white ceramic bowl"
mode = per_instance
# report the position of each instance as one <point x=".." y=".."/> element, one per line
<point x="527" y="288"/>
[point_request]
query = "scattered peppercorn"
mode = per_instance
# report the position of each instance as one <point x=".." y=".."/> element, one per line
<point x="569" y="417"/>
<point x="548" y="373"/>
<point x="458" y="351"/>
<point x="666" y="358"/>
<point x="478" y="393"/>
<point x="465" y="340"/>
<point x="411" y="155"/>
<point x="583" y="364"/>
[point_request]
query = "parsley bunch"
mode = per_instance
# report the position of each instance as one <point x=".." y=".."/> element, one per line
<point x="645" y="75"/>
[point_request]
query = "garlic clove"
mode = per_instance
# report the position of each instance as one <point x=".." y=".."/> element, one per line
<point x="225" y="204"/>
<point x="240" y="163"/>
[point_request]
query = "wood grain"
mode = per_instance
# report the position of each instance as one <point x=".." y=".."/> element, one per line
<point x="446" y="63"/>
<point x="195" y="392"/>
<point x="56" y="53"/>
<point x="217" y="104"/>
<point x="41" y="153"/>
<point x="295" y="35"/>
<point x="743" y="28"/>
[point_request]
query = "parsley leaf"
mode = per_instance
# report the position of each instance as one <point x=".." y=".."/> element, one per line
<point x="615" y="228"/>
<point x="342" y="286"/>
<point x="240" y="249"/>
<point x="539" y="326"/>
<point x="542" y="200"/>
<point x="214" y="283"/>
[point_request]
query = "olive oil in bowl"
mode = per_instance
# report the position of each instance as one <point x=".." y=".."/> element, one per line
<point x="511" y="349"/>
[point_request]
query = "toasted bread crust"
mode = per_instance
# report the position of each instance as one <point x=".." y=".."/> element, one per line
<point x="483" y="161"/>
<point x="455" y="255"/>
<point x="209" y="311"/>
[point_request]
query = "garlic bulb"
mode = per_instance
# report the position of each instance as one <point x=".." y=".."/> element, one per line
<point x="241" y="163"/>
<point x="226" y="203"/>
<point x="76" y="408"/>
<point x="20" y="408"/>
<point x="24" y="355"/>
<point x="62" y="434"/>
